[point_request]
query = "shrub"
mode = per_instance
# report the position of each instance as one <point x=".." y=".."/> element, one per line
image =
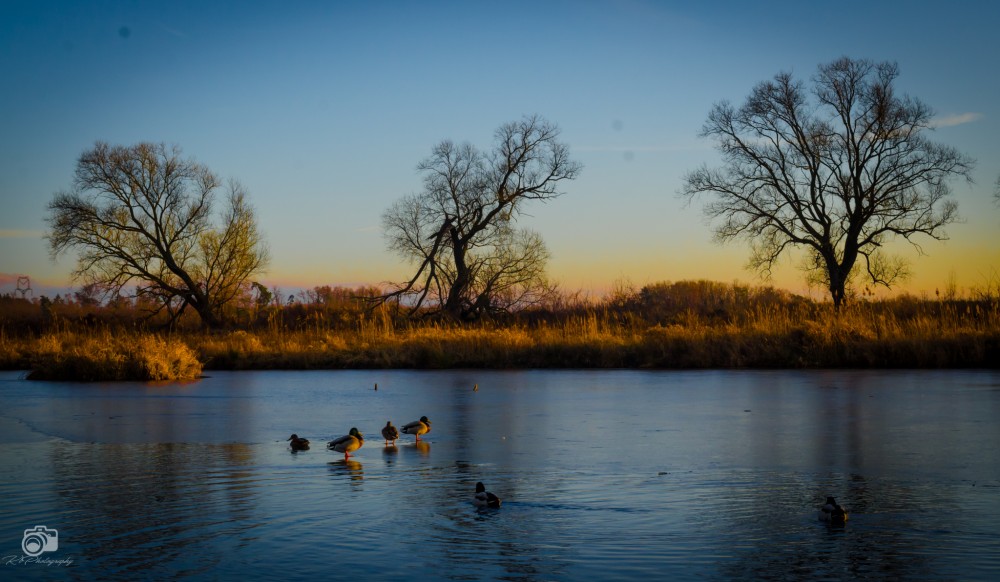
<point x="103" y="356"/>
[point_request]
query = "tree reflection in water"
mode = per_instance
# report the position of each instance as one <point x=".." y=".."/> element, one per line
<point x="139" y="507"/>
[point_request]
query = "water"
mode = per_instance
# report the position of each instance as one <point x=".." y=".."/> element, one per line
<point x="604" y="475"/>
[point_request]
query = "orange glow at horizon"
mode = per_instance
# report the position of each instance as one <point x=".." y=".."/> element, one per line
<point x="966" y="266"/>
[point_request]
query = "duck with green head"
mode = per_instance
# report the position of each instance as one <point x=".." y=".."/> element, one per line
<point x="484" y="498"/>
<point x="417" y="427"/>
<point x="348" y="443"/>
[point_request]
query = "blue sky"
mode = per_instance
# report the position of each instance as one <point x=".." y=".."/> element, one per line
<point x="323" y="110"/>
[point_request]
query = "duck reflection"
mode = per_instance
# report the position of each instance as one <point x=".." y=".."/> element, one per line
<point x="421" y="447"/>
<point x="349" y="468"/>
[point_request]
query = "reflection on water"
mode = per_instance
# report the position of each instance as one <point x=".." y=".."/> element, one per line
<point x="422" y="448"/>
<point x="871" y="544"/>
<point x="713" y="475"/>
<point x="136" y="505"/>
<point x="390" y="453"/>
<point x="349" y="469"/>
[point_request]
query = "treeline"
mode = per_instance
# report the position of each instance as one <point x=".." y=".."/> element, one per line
<point x="336" y="308"/>
<point x="257" y="308"/>
<point x="687" y="324"/>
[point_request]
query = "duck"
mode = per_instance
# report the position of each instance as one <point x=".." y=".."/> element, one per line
<point x="347" y="443"/>
<point x="298" y="443"/>
<point x="484" y="498"/>
<point x="418" y="427"/>
<point x="832" y="512"/>
<point x="390" y="433"/>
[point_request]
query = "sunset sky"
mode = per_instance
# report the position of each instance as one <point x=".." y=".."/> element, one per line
<point x="324" y="109"/>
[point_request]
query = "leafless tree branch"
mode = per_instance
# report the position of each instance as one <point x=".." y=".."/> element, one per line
<point x="142" y="215"/>
<point x="458" y="231"/>
<point x="836" y="170"/>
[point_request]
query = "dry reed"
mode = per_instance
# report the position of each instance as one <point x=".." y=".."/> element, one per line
<point x="100" y="356"/>
<point x="721" y="329"/>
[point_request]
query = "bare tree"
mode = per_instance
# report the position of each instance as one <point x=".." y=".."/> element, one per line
<point x="838" y="171"/>
<point x="141" y="215"/>
<point x="459" y="231"/>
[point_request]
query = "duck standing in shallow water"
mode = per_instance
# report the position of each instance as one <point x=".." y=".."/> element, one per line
<point x="484" y="498"/>
<point x="298" y="443"/>
<point x="348" y="443"/>
<point x="418" y="427"/>
<point x="390" y="433"/>
<point x="832" y="512"/>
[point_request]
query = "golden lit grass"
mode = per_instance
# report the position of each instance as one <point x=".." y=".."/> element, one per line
<point x="105" y="356"/>
<point x="859" y="337"/>
<point x="901" y="334"/>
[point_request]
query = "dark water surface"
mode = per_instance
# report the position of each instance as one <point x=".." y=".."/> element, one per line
<point x="604" y="475"/>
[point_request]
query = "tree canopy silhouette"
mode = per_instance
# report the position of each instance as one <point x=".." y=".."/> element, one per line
<point x="838" y="169"/>
<point x="141" y="215"/>
<point x="460" y="231"/>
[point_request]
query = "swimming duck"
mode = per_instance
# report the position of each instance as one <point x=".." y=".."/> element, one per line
<point x="832" y="512"/>
<point x="484" y="498"/>
<point x="347" y="443"/>
<point x="418" y="427"/>
<point x="298" y="443"/>
<point x="389" y="433"/>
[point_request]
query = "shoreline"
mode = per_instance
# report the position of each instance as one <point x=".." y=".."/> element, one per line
<point x="150" y="356"/>
<point x="681" y="326"/>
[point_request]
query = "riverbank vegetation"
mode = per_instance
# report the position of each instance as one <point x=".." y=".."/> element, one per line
<point x="103" y="355"/>
<point x="688" y="324"/>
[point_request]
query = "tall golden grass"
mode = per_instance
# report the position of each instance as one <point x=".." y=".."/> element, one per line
<point x="99" y="356"/>
<point x="714" y="326"/>
<point x="799" y="338"/>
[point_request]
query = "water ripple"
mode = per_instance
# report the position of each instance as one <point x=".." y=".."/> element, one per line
<point x="690" y="487"/>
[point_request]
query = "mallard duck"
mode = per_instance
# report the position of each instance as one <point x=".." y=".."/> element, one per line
<point x="484" y="498"/>
<point x="832" y="512"/>
<point x="298" y="443"/>
<point x="418" y="427"/>
<point x="389" y="433"/>
<point x="347" y="443"/>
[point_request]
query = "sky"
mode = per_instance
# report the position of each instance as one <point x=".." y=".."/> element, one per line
<point x="323" y="110"/>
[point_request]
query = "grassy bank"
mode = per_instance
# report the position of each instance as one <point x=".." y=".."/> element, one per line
<point x="918" y="335"/>
<point x="100" y="356"/>
<point x="778" y="339"/>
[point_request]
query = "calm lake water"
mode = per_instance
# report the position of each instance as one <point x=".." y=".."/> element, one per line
<point x="604" y="475"/>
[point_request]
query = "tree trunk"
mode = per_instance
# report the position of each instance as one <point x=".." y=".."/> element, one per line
<point x="837" y="292"/>
<point x="453" y="304"/>
<point x="838" y="282"/>
<point x="208" y="316"/>
<point x="843" y="272"/>
<point x="838" y="279"/>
